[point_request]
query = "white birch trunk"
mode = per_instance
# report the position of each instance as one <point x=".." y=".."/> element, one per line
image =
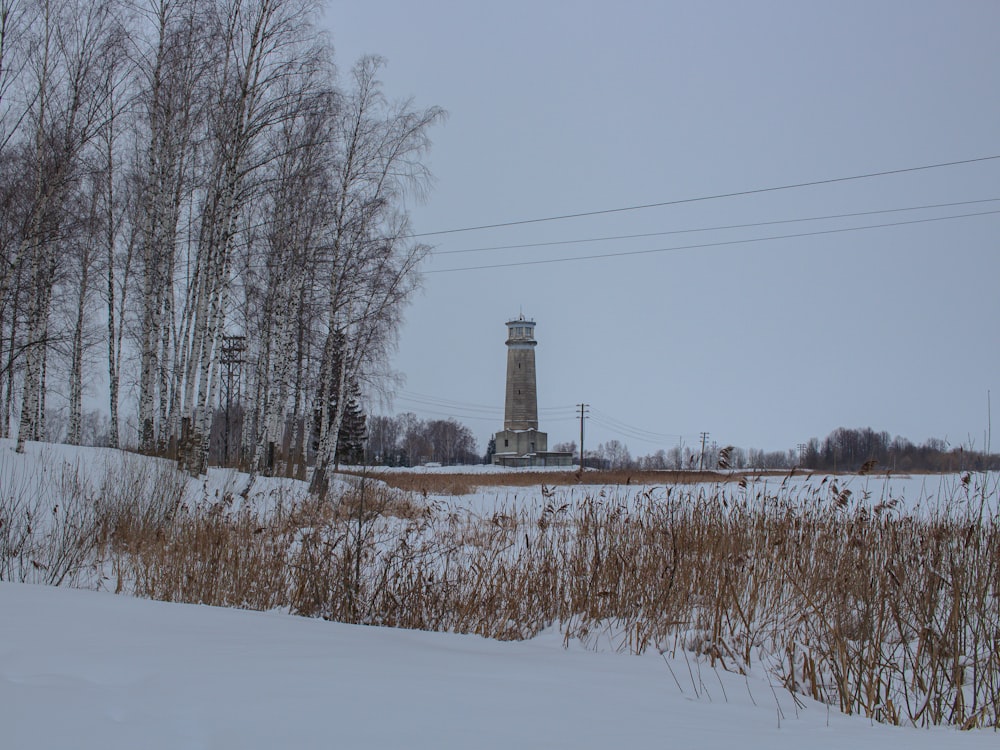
<point x="76" y="355"/>
<point x="33" y="399"/>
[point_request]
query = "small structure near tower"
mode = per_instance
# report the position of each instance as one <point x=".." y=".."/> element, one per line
<point x="520" y="443"/>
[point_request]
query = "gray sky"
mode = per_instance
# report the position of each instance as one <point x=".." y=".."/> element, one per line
<point x="568" y="107"/>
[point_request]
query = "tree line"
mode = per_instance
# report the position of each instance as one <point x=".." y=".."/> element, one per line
<point x="615" y="454"/>
<point x="407" y="440"/>
<point x="849" y="449"/>
<point x="190" y="198"/>
<point x="843" y="450"/>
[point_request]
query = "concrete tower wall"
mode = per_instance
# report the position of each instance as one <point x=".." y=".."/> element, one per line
<point x="521" y="404"/>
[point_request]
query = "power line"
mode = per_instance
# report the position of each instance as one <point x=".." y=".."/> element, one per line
<point x="630" y="436"/>
<point x="438" y="407"/>
<point x="432" y="405"/>
<point x="444" y="412"/>
<point x="716" y="196"/>
<point x="707" y="244"/>
<point x="451" y="414"/>
<point x="444" y="402"/>
<point x="711" y="229"/>
<point x="642" y="436"/>
<point x="602" y="416"/>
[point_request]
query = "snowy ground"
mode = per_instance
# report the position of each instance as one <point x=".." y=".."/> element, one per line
<point x="41" y="464"/>
<point x="918" y="493"/>
<point x="42" y="468"/>
<point x="82" y="669"/>
<point x="465" y="469"/>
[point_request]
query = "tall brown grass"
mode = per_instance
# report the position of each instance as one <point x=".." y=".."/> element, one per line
<point x="464" y="483"/>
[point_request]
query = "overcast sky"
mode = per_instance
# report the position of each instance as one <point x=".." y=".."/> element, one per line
<point x="568" y="107"/>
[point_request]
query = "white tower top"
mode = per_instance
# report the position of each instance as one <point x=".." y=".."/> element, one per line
<point x="521" y="333"/>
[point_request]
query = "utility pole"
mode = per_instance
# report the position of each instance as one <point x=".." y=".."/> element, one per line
<point x="701" y="458"/>
<point x="583" y="415"/>
<point x="233" y="348"/>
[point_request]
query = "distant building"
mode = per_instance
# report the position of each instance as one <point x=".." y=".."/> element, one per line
<point x="520" y="443"/>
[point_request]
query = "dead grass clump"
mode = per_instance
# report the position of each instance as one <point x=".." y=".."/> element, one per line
<point x="447" y="483"/>
<point x="381" y="499"/>
<point x="48" y="525"/>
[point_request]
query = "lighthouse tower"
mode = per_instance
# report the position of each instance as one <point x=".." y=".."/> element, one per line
<point x="520" y="443"/>
<point x="521" y="404"/>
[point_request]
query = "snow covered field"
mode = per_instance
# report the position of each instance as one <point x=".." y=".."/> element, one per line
<point x="86" y="669"/>
<point x="35" y="472"/>
<point x="90" y="670"/>
<point x="921" y="493"/>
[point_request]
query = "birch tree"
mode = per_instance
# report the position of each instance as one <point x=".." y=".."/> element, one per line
<point x="13" y="56"/>
<point x="81" y="246"/>
<point x="204" y="173"/>
<point x="113" y="206"/>
<point x="90" y="237"/>
<point x="172" y="67"/>
<point x="268" y="47"/>
<point x="297" y="210"/>
<point x="13" y="302"/>
<point x="14" y="47"/>
<point x="373" y="263"/>
<point x="72" y="41"/>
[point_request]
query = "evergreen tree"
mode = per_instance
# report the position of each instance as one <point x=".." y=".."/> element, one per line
<point x="353" y="430"/>
<point x="491" y="448"/>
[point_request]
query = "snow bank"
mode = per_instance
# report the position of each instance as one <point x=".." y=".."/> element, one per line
<point x="91" y="670"/>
